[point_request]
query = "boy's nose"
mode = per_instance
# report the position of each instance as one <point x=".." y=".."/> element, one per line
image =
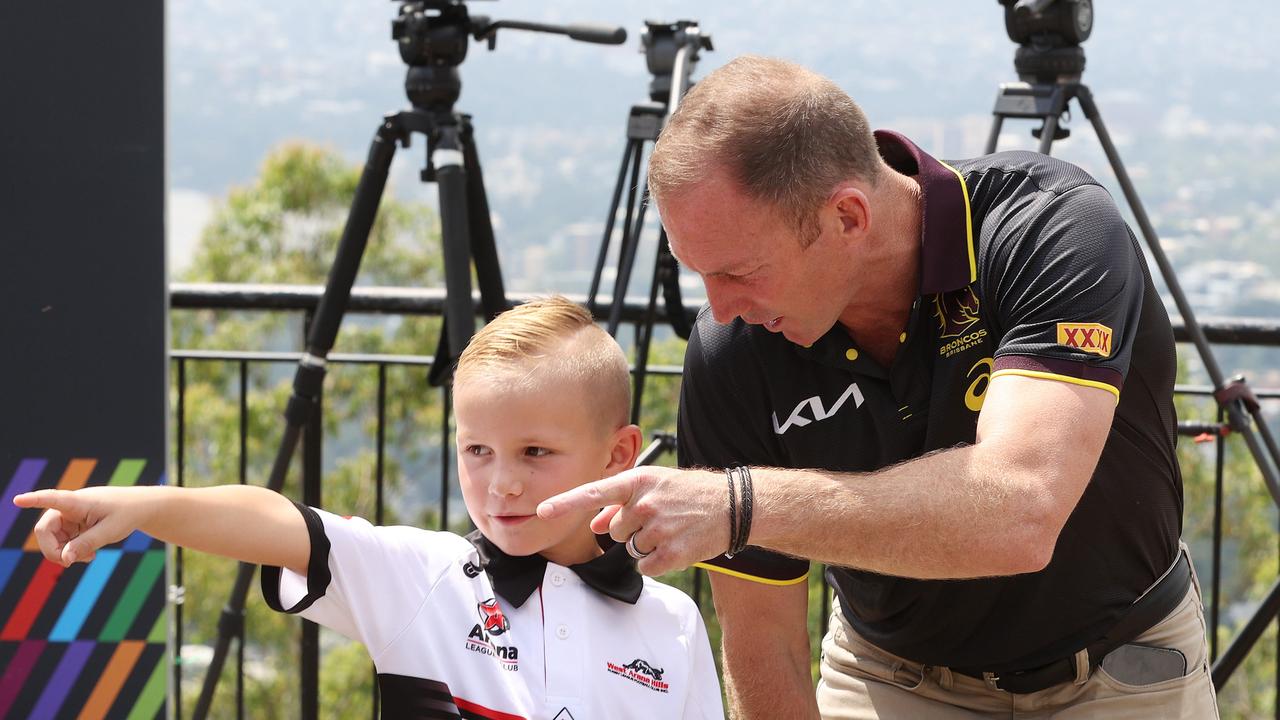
<point x="506" y="484"/>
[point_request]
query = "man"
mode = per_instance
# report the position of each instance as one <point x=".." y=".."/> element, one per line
<point x="971" y="374"/>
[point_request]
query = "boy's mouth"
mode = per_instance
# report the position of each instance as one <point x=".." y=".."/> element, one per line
<point x="510" y="520"/>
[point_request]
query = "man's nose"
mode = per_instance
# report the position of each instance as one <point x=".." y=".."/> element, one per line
<point x="725" y="303"/>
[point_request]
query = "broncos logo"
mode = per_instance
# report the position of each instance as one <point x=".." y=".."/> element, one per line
<point x="956" y="311"/>
<point x="641" y="666"/>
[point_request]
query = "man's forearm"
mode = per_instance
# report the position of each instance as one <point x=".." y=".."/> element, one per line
<point x="952" y="514"/>
<point x="992" y="508"/>
<point x="242" y="522"/>
<point x="758" y="685"/>
<point x="765" y="646"/>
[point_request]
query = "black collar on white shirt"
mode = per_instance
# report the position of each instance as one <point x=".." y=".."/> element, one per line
<point x="515" y="577"/>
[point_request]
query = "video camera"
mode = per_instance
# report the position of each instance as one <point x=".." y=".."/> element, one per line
<point x="1049" y="33"/>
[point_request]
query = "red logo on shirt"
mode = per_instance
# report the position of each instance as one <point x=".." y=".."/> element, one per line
<point x="492" y="624"/>
<point x="1089" y="337"/>
<point x="495" y="623"/>
<point x="641" y="672"/>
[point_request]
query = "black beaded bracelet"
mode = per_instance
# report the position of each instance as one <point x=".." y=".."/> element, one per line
<point x="747" y="501"/>
<point x="733" y="514"/>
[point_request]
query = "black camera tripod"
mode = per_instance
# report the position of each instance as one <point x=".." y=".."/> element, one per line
<point x="433" y="36"/>
<point x="671" y="52"/>
<point x="1050" y="63"/>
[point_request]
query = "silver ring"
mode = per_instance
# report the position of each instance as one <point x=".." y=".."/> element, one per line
<point x="633" y="551"/>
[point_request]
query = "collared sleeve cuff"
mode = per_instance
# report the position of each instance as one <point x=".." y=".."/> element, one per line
<point x="761" y="566"/>
<point x="288" y="592"/>
<point x="1070" y="371"/>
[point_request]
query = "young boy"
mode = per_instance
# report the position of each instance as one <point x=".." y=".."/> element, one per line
<point x="523" y="618"/>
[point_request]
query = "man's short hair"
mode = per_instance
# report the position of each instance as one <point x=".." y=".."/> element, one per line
<point x="785" y="133"/>
<point x="553" y="338"/>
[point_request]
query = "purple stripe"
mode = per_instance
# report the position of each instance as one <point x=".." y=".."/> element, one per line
<point x="1059" y="366"/>
<point x="64" y="676"/>
<point x="23" y="480"/>
<point x="16" y="674"/>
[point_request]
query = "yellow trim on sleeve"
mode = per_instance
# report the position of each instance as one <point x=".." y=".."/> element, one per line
<point x="1062" y="378"/>
<point x="752" y="578"/>
<point x="968" y="223"/>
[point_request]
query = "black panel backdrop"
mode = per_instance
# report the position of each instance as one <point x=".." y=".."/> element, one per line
<point x="82" y="345"/>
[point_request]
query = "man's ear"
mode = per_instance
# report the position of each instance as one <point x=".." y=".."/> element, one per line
<point x="852" y="209"/>
<point x="624" y="448"/>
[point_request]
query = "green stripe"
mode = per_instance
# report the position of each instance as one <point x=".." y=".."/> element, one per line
<point x="152" y="696"/>
<point x="142" y="582"/>
<point x="160" y="631"/>
<point x="127" y="472"/>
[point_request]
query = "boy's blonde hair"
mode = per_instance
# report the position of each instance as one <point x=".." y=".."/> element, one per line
<point x="553" y="337"/>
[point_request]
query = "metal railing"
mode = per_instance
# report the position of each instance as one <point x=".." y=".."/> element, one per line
<point x="430" y="302"/>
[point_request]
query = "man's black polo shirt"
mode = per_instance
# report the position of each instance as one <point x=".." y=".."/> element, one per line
<point x="1026" y="268"/>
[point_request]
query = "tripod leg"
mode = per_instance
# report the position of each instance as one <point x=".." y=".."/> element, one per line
<point x="1047" y="131"/>
<point x="997" y="121"/>
<point x="484" y="250"/>
<point x="1235" y="410"/>
<point x="668" y="273"/>
<point x="627" y="249"/>
<point x="308" y="381"/>
<point x="459" y="311"/>
<point x="644" y="338"/>
<point x="609" y="222"/>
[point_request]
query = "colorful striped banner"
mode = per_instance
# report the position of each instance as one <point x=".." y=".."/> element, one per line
<point x="93" y="663"/>
<point x="73" y="478"/>
<point x="111" y="680"/>
<point x="85" y="596"/>
<point x="59" y="685"/>
<point x="16" y="674"/>
<point x="32" y="602"/>
<point x="24" y="480"/>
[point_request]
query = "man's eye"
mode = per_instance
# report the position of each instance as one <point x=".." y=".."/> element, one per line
<point x="536" y="451"/>
<point x="477" y="450"/>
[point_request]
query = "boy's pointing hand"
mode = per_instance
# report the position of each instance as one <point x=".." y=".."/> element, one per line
<point x="678" y="517"/>
<point x="75" y="524"/>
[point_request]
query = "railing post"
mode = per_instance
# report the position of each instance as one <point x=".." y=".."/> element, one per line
<point x="447" y="410"/>
<point x="1220" y="451"/>
<point x="243" y="477"/>
<point x="310" y="644"/>
<point x="176" y="590"/>
<point x="379" y="452"/>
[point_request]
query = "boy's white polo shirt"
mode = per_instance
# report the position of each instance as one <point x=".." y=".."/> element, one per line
<point x="545" y="644"/>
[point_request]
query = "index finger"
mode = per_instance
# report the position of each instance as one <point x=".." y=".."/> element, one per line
<point x="616" y="490"/>
<point x="57" y="499"/>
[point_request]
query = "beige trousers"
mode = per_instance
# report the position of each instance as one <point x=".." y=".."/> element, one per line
<point x="862" y="682"/>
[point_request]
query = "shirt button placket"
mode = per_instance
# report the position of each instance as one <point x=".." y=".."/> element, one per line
<point x="567" y="670"/>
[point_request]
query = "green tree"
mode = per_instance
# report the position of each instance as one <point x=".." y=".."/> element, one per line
<point x="284" y="228"/>
<point x="1249" y="552"/>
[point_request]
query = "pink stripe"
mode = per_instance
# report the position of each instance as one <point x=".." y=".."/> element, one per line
<point x="16" y="674"/>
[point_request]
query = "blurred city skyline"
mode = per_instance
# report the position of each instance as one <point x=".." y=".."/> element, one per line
<point x="1186" y="89"/>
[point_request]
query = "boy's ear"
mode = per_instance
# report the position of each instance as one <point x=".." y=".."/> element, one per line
<point x="624" y="449"/>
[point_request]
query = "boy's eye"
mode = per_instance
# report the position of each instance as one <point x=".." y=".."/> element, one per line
<point x="536" y="451"/>
<point x="476" y="450"/>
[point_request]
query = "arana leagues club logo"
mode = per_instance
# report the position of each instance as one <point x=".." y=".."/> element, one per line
<point x="641" y="672"/>
<point x="492" y="624"/>
<point x="957" y="313"/>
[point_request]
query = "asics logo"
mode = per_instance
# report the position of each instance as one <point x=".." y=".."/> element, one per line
<point x="817" y="410"/>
